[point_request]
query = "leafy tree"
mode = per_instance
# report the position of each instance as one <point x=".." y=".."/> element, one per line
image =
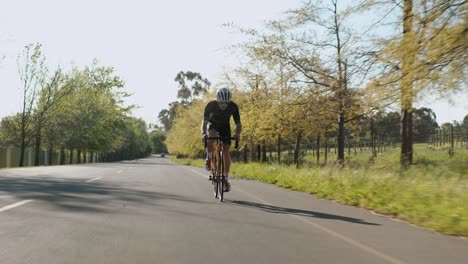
<point x="313" y="43"/>
<point x="464" y="124"/>
<point x="49" y="94"/>
<point x="167" y="116"/>
<point x="184" y="136"/>
<point x="157" y="138"/>
<point x="32" y="72"/>
<point x="428" y="55"/>
<point x="387" y="125"/>
<point x="191" y="85"/>
<point x="136" y="141"/>
<point x="425" y="124"/>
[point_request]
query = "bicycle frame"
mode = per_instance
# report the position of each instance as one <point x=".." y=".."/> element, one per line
<point x="217" y="167"/>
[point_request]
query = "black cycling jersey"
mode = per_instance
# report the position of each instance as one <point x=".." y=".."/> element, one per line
<point x="215" y="115"/>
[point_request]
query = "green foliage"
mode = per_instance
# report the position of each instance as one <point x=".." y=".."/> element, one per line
<point x="191" y="85"/>
<point x="135" y="141"/>
<point x="167" y="116"/>
<point x="81" y="110"/>
<point x="424" y="124"/>
<point x="185" y="137"/>
<point x="157" y="138"/>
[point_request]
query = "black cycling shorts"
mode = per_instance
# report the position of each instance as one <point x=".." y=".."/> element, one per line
<point x="224" y="131"/>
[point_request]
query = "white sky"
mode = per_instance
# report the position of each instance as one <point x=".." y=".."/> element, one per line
<point x="148" y="42"/>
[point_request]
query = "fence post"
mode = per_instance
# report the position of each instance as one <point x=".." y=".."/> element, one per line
<point x="246" y="153"/>
<point x="374" y="152"/>
<point x="452" y="150"/>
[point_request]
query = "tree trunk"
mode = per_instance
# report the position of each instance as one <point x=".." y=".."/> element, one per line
<point x="318" y="149"/>
<point x="51" y="153"/>
<point x="259" y="152"/>
<point x="279" y="148"/>
<point x="341" y="140"/>
<point x="71" y="156"/>
<point x="246" y="154"/>
<point x="78" y="156"/>
<point x="374" y="152"/>
<point x="85" y="156"/>
<point x="326" y="148"/>
<point x="22" y="148"/>
<point x="264" y="152"/>
<point x="406" y="157"/>
<point x="452" y="147"/>
<point x="37" y="148"/>
<point x="406" y="86"/>
<point x="62" y="156"/>
<point x="297" y="147"/>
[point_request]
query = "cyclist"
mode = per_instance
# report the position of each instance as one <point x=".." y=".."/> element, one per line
<point x="216" y="120"/>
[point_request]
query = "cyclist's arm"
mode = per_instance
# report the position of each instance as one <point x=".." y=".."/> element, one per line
<point x="204" y="126"/>
<point x="237" y="120"/>
<point x="206" y="117"/>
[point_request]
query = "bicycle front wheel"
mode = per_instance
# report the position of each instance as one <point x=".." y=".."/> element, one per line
<point x="221" y="177"/>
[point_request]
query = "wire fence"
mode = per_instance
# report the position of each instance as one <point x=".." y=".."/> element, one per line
<point x="322" y="150"/>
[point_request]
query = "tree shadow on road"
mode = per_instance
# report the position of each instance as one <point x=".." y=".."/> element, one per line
<point x="300" y="212"/>
<point x="78" y="195"/>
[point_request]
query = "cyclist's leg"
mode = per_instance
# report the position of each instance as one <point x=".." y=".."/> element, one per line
<point x="212" y="132"/>
<point x="227" y="158"/>
<point x="225" y="132"/>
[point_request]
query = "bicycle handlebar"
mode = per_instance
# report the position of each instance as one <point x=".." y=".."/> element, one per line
<point x="236" y="146"/>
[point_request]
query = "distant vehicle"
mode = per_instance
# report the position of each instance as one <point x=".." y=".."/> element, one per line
<point x="163" y="155"/>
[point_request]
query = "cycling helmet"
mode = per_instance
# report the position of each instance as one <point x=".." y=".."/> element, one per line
<point x="223" y="95"/>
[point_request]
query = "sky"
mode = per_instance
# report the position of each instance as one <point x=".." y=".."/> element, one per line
<point x="148" y="43"/>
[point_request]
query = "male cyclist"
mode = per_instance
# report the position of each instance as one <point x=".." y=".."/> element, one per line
<point x="216" y="119"/>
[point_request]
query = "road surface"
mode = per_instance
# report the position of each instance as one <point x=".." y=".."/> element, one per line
<point x="154" y="211"/>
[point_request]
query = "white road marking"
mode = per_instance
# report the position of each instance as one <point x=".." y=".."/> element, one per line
<point x="11" y="206"/>
<point x="95" y="179"/>
<point x="120" y="171"/>
<point x="328" y="231"/>
<point x="204" y="176"/>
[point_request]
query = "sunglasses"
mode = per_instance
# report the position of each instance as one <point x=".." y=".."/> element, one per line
<point x="223" y="103"/>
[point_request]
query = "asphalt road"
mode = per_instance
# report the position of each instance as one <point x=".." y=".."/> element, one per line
<point x="153" y="211"/>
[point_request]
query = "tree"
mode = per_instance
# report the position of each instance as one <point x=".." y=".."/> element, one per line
<point x="136" y="142"/>
<point x="9" y="127"/>
<point x="387" y="125"/>
<point x="49" y="94"/>
<point x="425" y="124"/>
<point x="32" y="72"/>
<point x="167" y="116"/>
<point x="314" y="42"/>
<point x="157" y="138"/>
<point x="428" y="55"/>
<point x="465" y="124"/>
<point x="191" y="85"/>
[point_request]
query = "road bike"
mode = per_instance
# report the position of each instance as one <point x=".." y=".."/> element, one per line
<point x="217" y="176"/>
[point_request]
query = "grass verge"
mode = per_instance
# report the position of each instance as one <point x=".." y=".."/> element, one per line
<point x="433" y="195"/>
